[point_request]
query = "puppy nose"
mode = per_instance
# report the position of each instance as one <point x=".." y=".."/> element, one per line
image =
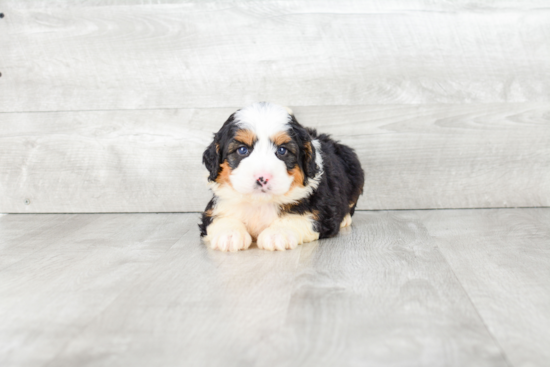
<point x="262" y="179"/>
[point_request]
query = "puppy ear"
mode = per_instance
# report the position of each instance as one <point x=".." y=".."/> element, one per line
<point x="304" y="137"/>
<point x="211" y="158"/>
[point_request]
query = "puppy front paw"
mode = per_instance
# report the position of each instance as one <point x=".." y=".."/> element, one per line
<point x="231" y="240"/>
<point x="346" y="221"/>
<point x="281" y="239"/>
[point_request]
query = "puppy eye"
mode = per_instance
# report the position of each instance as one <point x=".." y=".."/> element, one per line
<point x="281" y="151"/>
<point x="242" y="150"/>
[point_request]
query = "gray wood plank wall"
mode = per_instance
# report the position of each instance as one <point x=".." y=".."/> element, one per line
<point x="106" y="106"/>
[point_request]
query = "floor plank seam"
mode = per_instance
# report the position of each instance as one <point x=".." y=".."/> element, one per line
<point x="493" y="337"/>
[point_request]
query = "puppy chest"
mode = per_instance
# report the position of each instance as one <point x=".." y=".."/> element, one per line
<point x="257" y="217"/>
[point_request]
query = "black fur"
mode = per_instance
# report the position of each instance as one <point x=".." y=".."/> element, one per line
<point x="206" y="217"/>
<point x="216" y="152"/>
<point x="339" y="189"/>
<point x="306" y="158"/>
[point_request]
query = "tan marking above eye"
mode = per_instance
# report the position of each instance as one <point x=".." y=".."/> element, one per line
<point x="246" y="137"/>
<point x="281" y="138"/>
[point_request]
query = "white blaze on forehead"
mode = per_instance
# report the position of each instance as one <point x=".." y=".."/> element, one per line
<point x="264" y="119"/>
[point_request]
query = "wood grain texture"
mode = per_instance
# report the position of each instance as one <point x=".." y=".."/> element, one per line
<point x="61" y="283"/>
<point x="141" y="290"/>
<point x="414" y="157"/>
<point x="99" y="55"/>
<point x="22" y="235"/>
<point x="397" y="294"/>
<point x="502" y="258"/>
<point x="479" y="5"/>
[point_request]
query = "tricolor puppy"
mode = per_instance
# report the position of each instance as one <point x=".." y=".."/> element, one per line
<point x="276" y="182"/>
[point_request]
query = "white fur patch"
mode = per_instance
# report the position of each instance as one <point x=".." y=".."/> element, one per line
<point x="255" y="215"/>
<point x="265" y="120"/>
<point x="262" y="161"/>
<point x="287" y="232"/>
<point x="346" y="221"/>
<point x="228" y="234"/>
<point x="318" y="156"/>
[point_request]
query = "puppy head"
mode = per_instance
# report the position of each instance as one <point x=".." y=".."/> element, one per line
<point x="261" y="150"/>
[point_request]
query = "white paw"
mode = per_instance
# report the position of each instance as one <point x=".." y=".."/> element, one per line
<point x="231" y="240"/>
<point x="272" y="239"/>
<point x="346" y="221"/>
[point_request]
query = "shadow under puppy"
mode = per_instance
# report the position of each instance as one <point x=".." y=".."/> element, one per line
<point x="276" y="182"/>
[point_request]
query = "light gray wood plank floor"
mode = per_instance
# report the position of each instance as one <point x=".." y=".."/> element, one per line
<point x="400" y="288"/>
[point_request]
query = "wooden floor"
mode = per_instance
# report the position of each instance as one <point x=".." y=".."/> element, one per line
<point x="400" y="288"/>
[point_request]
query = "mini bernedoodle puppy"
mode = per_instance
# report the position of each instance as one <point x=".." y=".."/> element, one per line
<point x="276" y="182"/>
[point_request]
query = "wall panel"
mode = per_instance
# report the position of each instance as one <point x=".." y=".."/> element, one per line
<point x="426" y="156"/>
<point x="96" y="55"/>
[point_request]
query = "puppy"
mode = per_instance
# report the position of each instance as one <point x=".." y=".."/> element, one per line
<point x="276" y="182"/>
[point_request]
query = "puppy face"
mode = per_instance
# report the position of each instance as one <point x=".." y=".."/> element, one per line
<point x="261" y="151"/>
